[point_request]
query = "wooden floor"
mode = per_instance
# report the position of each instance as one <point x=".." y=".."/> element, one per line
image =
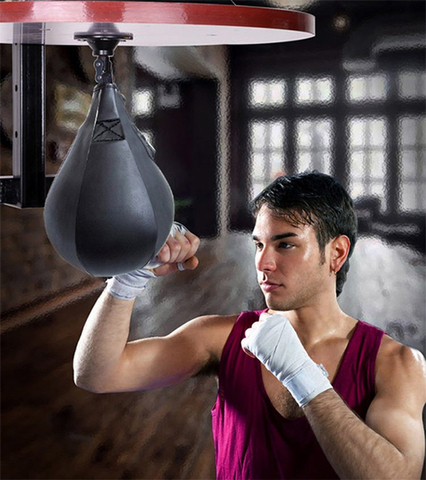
<point x="53" y="430"/>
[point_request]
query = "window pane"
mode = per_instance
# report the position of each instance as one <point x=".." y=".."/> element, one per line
<point x="377" y="132"/>
<point x="314" y="90"/>
<point x="408" y="131"/>
<point x="257" y="93"/>
<point x="324" y="133"/>
<point x="321" y="161"/>
<point x="258" y="166"/>
<point x="277" y="93"/>
<point x="276" y="165"/>
<point x="378" y="87"/>
<point x="412" y="131"/>
<point x="267" y="93"/>
<point x="304" y="162"/>
<point x="409" y="196"/>
<point x="314" y="143"/>
<point x="304" y="90"/>
<point x="357" y="135"/>
<point x="325" y="90"/>
<point x="326" y="164"/>
<point x="367" y="157"/>
<point x="357" y="189"/>
<point x="377" y="189"/>
<point x="357" y="89"/>
<point x="258" y="135"/>
<point x="304" y="133"/>
<point x="362" y="88"/>
<point x="277" y="134"/>
<point x="412" y="162"/>
<point x="412" y="85"/>
<point x="266" y="153"/>
<point x="143" y="102"/>
<point x="357" y="165"/>
<point x="377" y="165"/>
<point x="409" y="165"/>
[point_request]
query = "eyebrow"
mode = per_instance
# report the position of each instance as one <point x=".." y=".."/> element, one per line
<point x="280" y="236"/>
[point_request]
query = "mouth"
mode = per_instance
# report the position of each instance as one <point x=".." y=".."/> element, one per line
<point x="269" y="286"/>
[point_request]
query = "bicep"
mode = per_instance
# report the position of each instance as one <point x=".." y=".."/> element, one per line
<point x="402" y="428"/>
<point x="163" y="361"/>
<point x="396" y="411"/>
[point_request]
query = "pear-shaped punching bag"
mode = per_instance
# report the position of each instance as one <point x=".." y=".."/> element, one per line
<point x="109" y="209"/>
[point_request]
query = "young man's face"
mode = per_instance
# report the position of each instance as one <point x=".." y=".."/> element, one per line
<point x="290" y="269"/>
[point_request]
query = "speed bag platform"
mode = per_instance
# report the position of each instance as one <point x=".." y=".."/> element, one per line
<point x="110" y="209"/>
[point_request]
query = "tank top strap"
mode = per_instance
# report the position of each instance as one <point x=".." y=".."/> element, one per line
<point x="355" y="378"/>
<point x="230" y="353"/>
<point x="244" y="321"/>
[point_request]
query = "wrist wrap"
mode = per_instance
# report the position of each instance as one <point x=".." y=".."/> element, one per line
<point x="128" y="286"/>
<point x="276" y="344"/>
<point x="307" y="383"/>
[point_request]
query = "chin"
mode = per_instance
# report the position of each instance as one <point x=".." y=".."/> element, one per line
<point x="277" y="304"/>
<point x="281" y="304"/>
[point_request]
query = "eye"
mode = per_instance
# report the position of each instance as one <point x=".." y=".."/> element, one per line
<point x="258" y="245"/>
<point x="284" y="245"/>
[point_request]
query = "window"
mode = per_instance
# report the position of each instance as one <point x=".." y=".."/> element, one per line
<point x="314" y="90"/>
<point x="412" y="146"/>
<point x="143" y="102"/>
<point x="365" y="88"/>
<point x="314" y="145"/>
<point x="267" y="93"/>
<point x="266" y="153"/>
<point x="367" y="157"/>
<point x="412" y="85"/>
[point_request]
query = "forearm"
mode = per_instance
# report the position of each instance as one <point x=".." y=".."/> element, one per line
<point x="102" y="343"/>
<point x="352" y="448"/>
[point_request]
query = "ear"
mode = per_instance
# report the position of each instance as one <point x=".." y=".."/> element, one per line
<point x="339" y="252"/>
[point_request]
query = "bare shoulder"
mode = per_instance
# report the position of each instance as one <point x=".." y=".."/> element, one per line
<point x="400" y="366"/>
<point x="396" y="354"/>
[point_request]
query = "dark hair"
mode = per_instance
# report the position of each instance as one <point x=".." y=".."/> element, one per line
<point x="315" y="199"/>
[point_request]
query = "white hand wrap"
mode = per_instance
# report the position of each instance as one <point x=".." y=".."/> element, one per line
<point x="275" y="343"/>
<point x="128" y="286"/>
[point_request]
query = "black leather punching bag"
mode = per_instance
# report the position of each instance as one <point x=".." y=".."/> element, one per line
<point x="109" y="209"/>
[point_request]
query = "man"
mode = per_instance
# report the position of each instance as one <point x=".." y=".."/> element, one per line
<point x="305" y="391"/>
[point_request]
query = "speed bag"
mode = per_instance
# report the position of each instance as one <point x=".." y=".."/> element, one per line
<point x="109" y="209"/>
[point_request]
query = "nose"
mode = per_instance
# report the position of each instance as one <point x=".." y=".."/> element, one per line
<point x="265" y="260"/>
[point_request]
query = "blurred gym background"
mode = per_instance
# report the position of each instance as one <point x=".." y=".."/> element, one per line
<point x="225" y="121"/>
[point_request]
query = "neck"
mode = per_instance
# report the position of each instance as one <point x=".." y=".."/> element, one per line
<point x="317" y="323"/>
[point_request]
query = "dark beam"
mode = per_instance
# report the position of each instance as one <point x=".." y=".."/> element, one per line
<point x="27" y="188"/>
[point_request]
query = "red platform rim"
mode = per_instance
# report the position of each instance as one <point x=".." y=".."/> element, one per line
<point x="155" y="13"/>
<point x="154" y="23"/>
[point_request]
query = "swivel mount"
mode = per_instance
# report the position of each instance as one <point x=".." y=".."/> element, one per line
<point x="103" y="45"/>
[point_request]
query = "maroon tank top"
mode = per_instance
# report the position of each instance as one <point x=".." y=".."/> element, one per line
<point x="252" y="440"/>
